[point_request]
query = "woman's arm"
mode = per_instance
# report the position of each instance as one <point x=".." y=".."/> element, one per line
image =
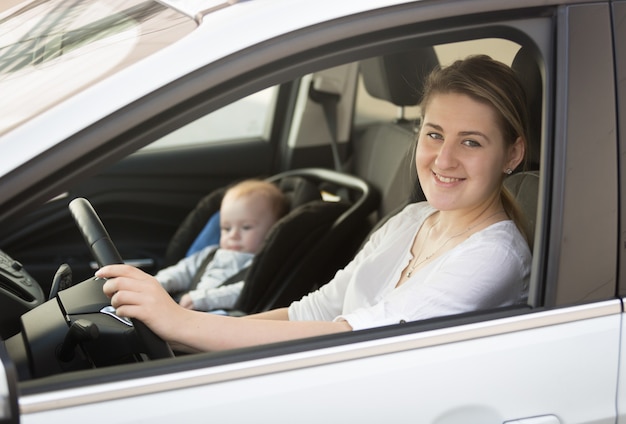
<point x="136" y="294"/>
<point x="208" y="332"/>
<point x="279" y="314"/>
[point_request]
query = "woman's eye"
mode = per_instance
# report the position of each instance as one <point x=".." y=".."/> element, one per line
<point x="471" y="143"/>
<point x="435" y="136"/>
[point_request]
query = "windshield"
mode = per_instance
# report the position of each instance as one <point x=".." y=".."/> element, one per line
<point x="50" y="49"/>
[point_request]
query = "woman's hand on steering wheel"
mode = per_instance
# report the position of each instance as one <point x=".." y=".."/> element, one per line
<point x="135" y="294"/>
<point x="105" y="253"/>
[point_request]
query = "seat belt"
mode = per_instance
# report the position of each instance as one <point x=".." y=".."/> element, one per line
<point x="235" y="278"/>
<point x="327" y="96"/>
<point x="329" y="100"/>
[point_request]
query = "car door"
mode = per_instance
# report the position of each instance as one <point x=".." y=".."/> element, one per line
<point x="553" y="361"/>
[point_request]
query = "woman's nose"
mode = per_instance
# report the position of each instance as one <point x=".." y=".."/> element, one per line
<point x="446" y="155"/>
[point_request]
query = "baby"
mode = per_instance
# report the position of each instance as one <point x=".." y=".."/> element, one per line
<point x="248" y="211"/>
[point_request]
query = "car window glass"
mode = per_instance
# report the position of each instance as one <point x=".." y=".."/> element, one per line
<point x="247" y="118"/>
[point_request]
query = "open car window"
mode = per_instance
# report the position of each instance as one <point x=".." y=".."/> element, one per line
<point x="197" y="137"/>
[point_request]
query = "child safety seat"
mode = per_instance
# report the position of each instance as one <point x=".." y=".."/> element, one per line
<point x="304" y="249"/>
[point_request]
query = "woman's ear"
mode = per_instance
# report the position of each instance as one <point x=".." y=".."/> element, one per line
<point x="516" y="153"/>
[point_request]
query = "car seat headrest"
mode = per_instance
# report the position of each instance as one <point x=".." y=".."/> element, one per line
<point x="527" y="69"/>
<point x="398" y="78"/>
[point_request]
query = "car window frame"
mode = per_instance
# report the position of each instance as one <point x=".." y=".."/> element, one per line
<point x="568" y="220"/>
<point x="619" y="14"/>
<point x="238" y="86"/>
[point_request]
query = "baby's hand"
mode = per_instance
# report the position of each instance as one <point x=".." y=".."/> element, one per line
<point x="186" y="301"/>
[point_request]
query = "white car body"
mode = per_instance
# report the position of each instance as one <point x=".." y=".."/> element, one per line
<point x="559" y="361"/>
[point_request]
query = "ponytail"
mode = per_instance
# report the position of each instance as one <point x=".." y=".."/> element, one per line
<point x="512" y="209"/>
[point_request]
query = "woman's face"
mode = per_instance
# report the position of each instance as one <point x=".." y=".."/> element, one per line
<point x="461" y="155"/>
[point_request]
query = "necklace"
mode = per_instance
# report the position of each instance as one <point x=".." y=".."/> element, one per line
<point x="416" y="264"/>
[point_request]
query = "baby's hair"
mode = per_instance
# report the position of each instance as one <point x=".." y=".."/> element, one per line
<point x="277" y="199"/>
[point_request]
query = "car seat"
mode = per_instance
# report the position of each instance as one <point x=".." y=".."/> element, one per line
<point x="525" y="184"/>
<point x="383" y="152"/>
<point x="304" y="248"/>
<point x="393" y="78"/>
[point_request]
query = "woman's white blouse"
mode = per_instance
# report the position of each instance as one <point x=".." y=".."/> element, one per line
<point x="489" y="269"/>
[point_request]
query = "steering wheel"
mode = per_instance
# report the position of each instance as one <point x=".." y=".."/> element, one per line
<point x="105" y="253"/>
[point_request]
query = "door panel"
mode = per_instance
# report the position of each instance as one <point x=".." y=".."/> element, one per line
<point x="559" y="363"/>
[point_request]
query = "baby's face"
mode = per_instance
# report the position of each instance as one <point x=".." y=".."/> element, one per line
<point x="245" y="221"/>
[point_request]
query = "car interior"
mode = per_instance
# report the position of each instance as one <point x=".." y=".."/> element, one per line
<point x="343" y="180"/>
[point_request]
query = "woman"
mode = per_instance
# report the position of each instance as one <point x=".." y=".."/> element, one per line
<point x="460" y="251"/>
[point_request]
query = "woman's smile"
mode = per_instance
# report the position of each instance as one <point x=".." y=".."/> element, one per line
<point x="445" y="179"/>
